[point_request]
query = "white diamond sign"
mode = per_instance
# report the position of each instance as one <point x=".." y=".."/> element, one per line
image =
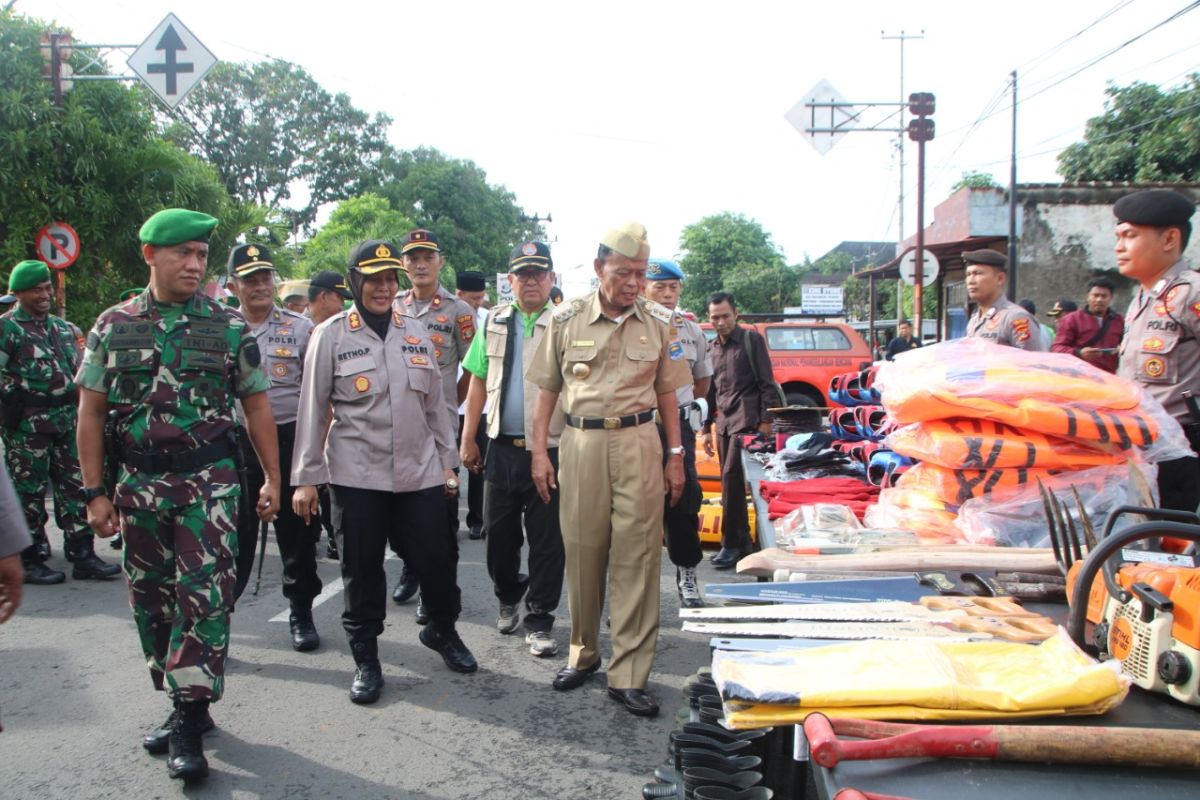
<point x="171" y="61"/>
<point x="821" y="123"/>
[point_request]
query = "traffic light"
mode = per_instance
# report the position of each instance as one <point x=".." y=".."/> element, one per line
<point x="921" y="104"/>
<point x="56" y="53"/>
<point x="920" y="129"/>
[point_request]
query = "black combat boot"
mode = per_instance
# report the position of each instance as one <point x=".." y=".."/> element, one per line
<point x="36" y="571"/>
<point x="186" y="759"/>
<point x="368" y="674"/>
<point x="304" y="632"/>
<point x="442" y="638"/>
<point x="407" y="586"/>
<point x="156" y="741"/>
<point x="86" y="564"/>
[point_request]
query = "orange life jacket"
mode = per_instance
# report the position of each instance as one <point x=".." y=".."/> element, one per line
<point x="957" y="486"/>
<point x="961" y="443"/>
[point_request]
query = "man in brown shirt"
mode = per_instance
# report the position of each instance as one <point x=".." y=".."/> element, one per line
<point x="741" y="393"/>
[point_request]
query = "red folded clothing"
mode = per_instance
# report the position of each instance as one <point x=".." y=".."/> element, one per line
<point x="783" y="497"/>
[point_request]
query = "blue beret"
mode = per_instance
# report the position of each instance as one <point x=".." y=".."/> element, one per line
<point x="662" y="269"/>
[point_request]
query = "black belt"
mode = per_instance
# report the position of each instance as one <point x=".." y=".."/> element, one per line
<point x="185" y="461"/>
<point x="515" y="441"/>
<point x="611" y="423"/>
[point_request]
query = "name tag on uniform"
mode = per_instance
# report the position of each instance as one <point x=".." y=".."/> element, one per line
<point x="353" y="366"/>
<point x="583" y="343"/>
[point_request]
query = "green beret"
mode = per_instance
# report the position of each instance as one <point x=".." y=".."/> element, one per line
<point x="176" y="226"/>
<point x="130" y="293"/>
<point x="27" y="275"/>
<point x="1158" y="207"/>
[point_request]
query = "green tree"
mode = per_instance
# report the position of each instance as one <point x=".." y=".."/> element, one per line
<point x="96" y="163"/>
<point x="477" y="224"/>
<point x="719" y="249"/>
<point x="1145" y="134"/>
<point x="976" y="180"/>
<point x="367" y="216"/>
<point x="270" y="130"/>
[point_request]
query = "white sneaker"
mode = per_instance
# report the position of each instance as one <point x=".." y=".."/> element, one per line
<point x="689" y="591"/>
<point x="541" y="644"/>
<point x="509" y="618"/>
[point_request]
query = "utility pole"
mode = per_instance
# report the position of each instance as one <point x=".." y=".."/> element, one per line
<point x="902" y="37"/>
<point x="1012" y="200"/>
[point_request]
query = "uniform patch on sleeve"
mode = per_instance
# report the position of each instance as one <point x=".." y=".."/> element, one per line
<point x="1020" y="329"/>
<point x="1196" y="309"/>
<point x="675" y="350"/>
<point x="466" y="327"/>
<point x="253" y="356"/>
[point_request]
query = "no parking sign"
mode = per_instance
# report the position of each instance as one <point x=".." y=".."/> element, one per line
<point x="58" y="245"/>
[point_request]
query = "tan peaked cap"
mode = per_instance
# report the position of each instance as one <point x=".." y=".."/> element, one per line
<point x="629" y="240"/>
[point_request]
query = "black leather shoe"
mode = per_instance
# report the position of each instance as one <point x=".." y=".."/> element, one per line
<point x="186" y="760"/>
<point x="38" y="574"/>
<point x="446" y="642"/>
<point x="304" y="632"/>
<point x="728" y="557"/>
<point x="331" y="551"/>
<point x="570" y="678"/>
<point x="43" y="549"/>
<point x="422" y="616"/>
<point x="115" y="542"/>
<point x="636" y="701"/>
<point x="368" y="683"/>
<point x="664" y="790"/>
<point x="476" y="532"/>
<point x="407" y="587"/>
<point x="157" y="740"/>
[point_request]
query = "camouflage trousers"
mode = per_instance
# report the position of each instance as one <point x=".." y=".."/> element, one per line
<point x="37" y="459"/>
<point x="179" y="563"/>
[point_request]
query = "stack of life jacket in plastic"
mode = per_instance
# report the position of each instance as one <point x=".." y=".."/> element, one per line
<point x="984" y="419"/>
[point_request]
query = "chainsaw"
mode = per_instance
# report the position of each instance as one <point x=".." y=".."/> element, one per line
<point x="1145" y="615"/>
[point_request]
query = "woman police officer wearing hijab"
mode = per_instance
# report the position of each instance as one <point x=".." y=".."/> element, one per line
<point x="388" y="459"/>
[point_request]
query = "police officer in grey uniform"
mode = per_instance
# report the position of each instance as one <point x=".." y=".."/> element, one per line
<point x="1161" y="346"/>
<point x="389" y="459"/>
<point x="282" y="337"/>
<point x="451" y="325"/>
<point x="996" y="318"/>
<point x="664" y="280"/>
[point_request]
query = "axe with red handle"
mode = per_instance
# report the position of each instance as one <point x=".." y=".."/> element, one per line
<point x="1052" y="744"/>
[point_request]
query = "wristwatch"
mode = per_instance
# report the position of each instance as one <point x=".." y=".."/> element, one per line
<point x="675" y="451"/>
<point x="451" y="483"/>
<point x="91" y="494"/>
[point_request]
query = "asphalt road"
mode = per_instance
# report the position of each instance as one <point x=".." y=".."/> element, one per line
<point x="75" y="699"/>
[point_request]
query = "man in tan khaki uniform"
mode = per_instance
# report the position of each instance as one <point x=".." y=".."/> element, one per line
<point x="615" y="359"/>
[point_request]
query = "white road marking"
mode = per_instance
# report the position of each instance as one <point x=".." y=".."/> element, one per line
<point x="329" y="591"/>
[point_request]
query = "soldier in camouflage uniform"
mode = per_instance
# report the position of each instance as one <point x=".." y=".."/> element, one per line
<point x="38" y="356"/>
<point x="170" y="363"/>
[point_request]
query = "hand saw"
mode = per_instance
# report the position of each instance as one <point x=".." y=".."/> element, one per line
<point x="836" y="630"/>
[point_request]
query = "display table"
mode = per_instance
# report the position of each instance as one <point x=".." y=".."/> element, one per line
<point x="755" y="474"/>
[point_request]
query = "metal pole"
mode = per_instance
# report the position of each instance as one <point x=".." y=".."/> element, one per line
<point x="903" y="107"/>
<point x="56" y="69"/>
<point x="1012" y="200"/>
<point x="918" y="272"/>
<point x="60" y="289"/>
<point x="871" y="313"/>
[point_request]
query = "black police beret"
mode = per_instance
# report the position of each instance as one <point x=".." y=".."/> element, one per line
<point x="530" y="255"/>
<point x="419" y="238"/>
<point x="470" y="281"/>
<point x="1159" y="207"/>
<point x="328" y="280"/>
<point x="375" y="255"/>
<point x="247" y="258"/>
<point x="989" y="257"/>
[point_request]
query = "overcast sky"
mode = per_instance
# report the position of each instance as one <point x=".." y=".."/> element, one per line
<point x="666" y="112"/>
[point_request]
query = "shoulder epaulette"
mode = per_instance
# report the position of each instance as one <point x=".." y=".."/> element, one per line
<point x="568" y="310"/>
<point x="659" y="312"/>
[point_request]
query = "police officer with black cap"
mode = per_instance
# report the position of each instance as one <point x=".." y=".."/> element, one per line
<point x="327" y="295"/>
<point x="389" y="458"/>
<point x="1161" y="346"/>
<point x="996" y="318"/>
<point x="282" y="337"/>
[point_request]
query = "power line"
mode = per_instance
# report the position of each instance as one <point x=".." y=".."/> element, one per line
<point x="1033" y="62"/>
<point x="1093" y="62"/>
